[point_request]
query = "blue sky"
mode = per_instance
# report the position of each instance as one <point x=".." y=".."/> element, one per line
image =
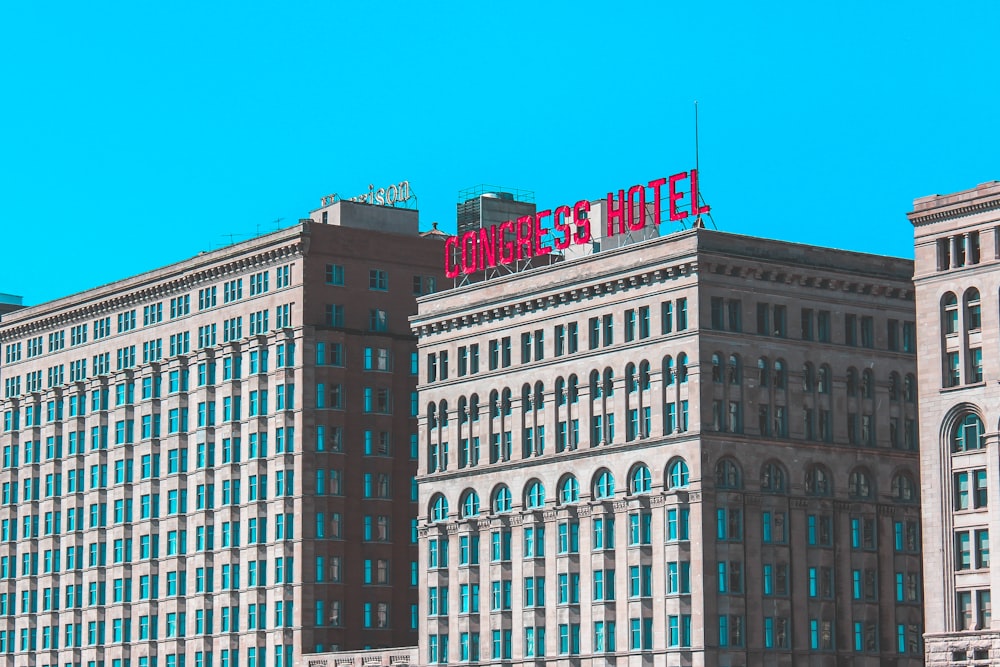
<point x="137" y="134"/>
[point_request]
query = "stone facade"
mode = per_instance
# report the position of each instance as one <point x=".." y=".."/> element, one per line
<point x="957" y="280"/>
<point x="210" y="463"/>
<point x="694" y="450"/>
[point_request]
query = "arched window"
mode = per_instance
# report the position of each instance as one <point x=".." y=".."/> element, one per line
<point x="910" y="389"/>
<point x="443" y="413"/>
<point x="526" y="397"/>
<point x="969" y="434"/>
<point x="604" y="487"/>
<point x="807" y="377"/>
<point x="539" y="395"/>
<point x="780" y="375"/>
<point x="763" y="371"/>
<point x="734" y="369"/>
<point x="903" y="488"/>
<point x="852" y="381"/>
<point x="867" y="384"/>
<point x="439" y="508"/>
<point x="494" y="404"/>
<point x="973" y="310"/>
<point x="727" y="475"/>
<point x="823" y="380"/>
<point x="716" y="367"/>
<point x="572" y="390"/>
<point x="640" y="481"/>
<point x="894" y="386"/>
<point x="609" y="382"/>
<point x="949" y="315"/>
<point x="677" y="474"/>
<point x="470" y="504"/>
<point x="431" y="415"/>
<point x="772" y="478"/>
<point x="534" y="498"/>
<point x="502" y="501"/>
<point x="569" y="490"/>
<point x="859" y="485"/>
<point x="644" y="375"/>
<point x="474" y="407"/>
<point x="505" y="402"/>
<point x="668" y="370"/>
<point x="682" y="368"/>
<point x="560" y="391"/>
<point x="463" y="410"/>
<point x="818" y="481"/>
<point x="595" y="384"/>
<point x="631" y="382"/>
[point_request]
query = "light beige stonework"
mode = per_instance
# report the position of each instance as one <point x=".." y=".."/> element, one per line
<point x="749" y="439"/>
<point x="957" y="251"/>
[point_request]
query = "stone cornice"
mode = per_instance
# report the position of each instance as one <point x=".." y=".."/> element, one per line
<point x="570" y="294"/>
<point x="952" y="212"/>
<point x="148" y="287"/>
<point x="794" y="276"/>
<point x="869" y="285"/>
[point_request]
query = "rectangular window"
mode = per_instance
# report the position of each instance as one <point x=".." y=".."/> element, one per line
<point x="334" y="274"/>
<point x="975" y="364"/>
<point x="953" y="372"/>
<point x="717" y="313"/>
<point x="378" y="320"/>
<point x="334" y="315"/>
<point x="867" y="331"/>
<point x="807" y="323"/>
<point x="851" y="330"/>
<point x="378" y="279"/>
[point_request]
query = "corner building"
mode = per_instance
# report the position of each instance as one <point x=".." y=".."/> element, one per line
<point x="957" y="279"/>
<point x="696" y="450"/>
<point x="211" y="464"/>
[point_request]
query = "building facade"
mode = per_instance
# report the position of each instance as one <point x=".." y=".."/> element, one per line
<point x="212" y="463"/>
<point x="957" y="280"/>
<point x="695" y="450"/>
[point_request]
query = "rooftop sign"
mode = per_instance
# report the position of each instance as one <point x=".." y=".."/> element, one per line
<point x="525" y="237"/>
<point x="390" y="196"/>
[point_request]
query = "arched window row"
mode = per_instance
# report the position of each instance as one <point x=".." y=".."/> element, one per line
<point x="602" y="487"/>
<point x="972" y="312"/>
<point x="962" y="357"/>
<point x="728" y="475"/>
<point x="857" y="384"/>
<point x="818" y="481"/>
<point x="572" y="427"/>
<point x="727" y="369"/>
<point x="637" y="377"/>
<point x="772" y="373"/>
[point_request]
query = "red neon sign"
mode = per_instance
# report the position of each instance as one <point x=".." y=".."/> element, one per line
<point x="522" y="238"/>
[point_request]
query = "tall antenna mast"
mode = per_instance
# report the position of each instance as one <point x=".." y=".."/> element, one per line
<point x="696" y="136"/>
<point x="694" y="204"/>
<point x="694" y="195"/>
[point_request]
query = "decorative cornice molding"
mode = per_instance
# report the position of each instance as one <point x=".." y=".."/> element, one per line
<point x="948" y="213"/>
<point x="152" y="290"/>
<point x="575" y="293"/>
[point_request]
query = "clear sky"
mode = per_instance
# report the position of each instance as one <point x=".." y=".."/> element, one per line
<point x="137" y="134"/>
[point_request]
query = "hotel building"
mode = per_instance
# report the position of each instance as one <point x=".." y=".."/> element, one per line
<point x="212" y="463"/>
<point x="699" y="449"/>
<point x="957" y="280"/>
